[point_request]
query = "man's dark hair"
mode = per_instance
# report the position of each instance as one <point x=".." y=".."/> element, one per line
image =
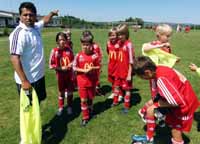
<point x="27" y="5"/>
<point x="143" y="63"/>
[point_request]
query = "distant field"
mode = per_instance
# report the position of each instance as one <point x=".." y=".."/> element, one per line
<point x="110" y="126"/>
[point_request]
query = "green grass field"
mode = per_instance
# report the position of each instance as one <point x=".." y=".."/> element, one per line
<point x="110" y="126"/>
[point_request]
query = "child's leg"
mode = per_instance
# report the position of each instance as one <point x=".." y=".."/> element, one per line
<point x="177" y="137"/>
<point x="127" y="99"/>
<point x="145" y="107"/>
<point x="61" y="100"/>
<point x="91" y="95"/>
<point x="151" y="123"/>
<point x="84" y="105"/>
<point x="116" y="95"/>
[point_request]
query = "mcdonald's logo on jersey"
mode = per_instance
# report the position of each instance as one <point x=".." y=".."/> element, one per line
<point x="112" y="55"/>
<point x="64" y="61"/>
<point x="88" y="65"/>
<point x="120" y="56"/>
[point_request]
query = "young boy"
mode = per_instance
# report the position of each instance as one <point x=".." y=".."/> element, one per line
<point x="98" y="51"/>
<point x="123" y="74"/>
<point x="160" y="50"/>
<point x="86" y="64"/>
<point x="160" y="53"/>
<point x="61" y="59"/>
<point x="175" y="92"/>
<point x="112" y="49"/>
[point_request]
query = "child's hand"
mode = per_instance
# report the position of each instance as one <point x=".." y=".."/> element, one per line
<point x="88" y="69"/>
<point x="165" y="44"/>
<point x="193" y="67"/>
<point x="178" y="59"/>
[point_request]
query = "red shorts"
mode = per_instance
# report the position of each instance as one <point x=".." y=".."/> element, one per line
<point x="65" y="82"/>
<point x="87" y="92"/>
<point x="124" y="84"/>
<point x="111" y="78"/>
<point x="179" y="123"/>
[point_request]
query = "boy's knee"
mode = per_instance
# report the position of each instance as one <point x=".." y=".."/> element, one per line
<point x="150" y="110"/>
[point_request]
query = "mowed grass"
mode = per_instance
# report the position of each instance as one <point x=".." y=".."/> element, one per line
<point x="110" y="126"/>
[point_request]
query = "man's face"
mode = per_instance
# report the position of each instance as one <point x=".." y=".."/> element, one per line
<point x="28" y="17"/>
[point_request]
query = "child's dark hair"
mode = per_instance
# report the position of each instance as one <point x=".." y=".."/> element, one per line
<point x="112" y="30"/>
<point x="86" y="33"/>
<point x="143" y="63"/>
<point x="86" y="39"/>
<point x="60" y="34"/>
<point x="29" y="6"/>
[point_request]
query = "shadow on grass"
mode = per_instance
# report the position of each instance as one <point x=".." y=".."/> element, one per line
<point x="163" y="135"/>
<point x="54" y="131"/>
<point x="103" y="90"/>
<point x="197" y="119"/>
<point x="135" y="97"/>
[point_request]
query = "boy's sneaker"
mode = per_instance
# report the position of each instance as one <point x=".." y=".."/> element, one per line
<point x="113" y="104"/>
<point x="142" y="115"/>
<point x="124" y="110"/>
<point x="69" y="110"/>
<point x="140" y="139"/>
<point x="111" y="96"/>
<point x="120" y="98"/>
<point x="59" y="112"/>
<point x="84" y="123"/>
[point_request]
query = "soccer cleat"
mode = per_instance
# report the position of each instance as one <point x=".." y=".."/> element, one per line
<point x="140" y="139"/>
<point x="142" y="115"/>
<point x="69" y="110"/>
<point x="124" y="110"/>
<point x="113" y="104"/>
<point x="84" y="123"/>
<point x="111" y="96"/>
<point x="59" y="112"/>
<point x="120" y="98"/>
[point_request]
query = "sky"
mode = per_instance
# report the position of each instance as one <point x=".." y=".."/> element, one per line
<point x="176" y="11"/>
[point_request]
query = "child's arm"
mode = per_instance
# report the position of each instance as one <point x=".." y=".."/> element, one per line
<point x="148" y="46"/>
<point x="128" y="78"/>
<point x="194" y="67"/>
<point x="82" y="70"/>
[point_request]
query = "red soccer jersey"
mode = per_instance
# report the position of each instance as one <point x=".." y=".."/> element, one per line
<point x="60" y="57"/>
<point x="112" y="50"/>
<point x="124" y="58"/>
<point x="97" y="50"/>
<point x="176" y="90"/>
<point x="83" y="61"/>
<point x="166" y="49"/>
<point x="69" y="44"/>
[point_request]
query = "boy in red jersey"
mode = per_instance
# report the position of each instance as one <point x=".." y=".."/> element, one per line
<point x="163" y="33"/>
<point x="86" y="64"/>
<point x="98" y="51"/>
<point x="175" y="93"/>
<point x="123" y="74"/>
<point x="61" y="59"/>
<point x="112" y="49"/>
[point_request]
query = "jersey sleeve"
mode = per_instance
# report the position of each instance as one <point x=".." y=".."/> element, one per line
<point x="39" y="25"/>
<point x="17" y="42"/>
<point x="169" y="92"/>
<point x="52" y="60"/>
<point x="130" y="52"/>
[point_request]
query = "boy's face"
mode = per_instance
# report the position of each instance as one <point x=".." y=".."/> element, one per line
<point x="164" y="38"/>
<point x="28" y="17"/>
<point x="61" y="42"/>
<point x="122" y="37"/>
<point x="148" y="74"/>
<point x="113" y="37"/>
<point x="87" y="47"/>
